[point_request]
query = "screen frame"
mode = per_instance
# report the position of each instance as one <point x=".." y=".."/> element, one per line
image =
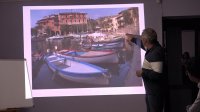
<point x="78" y="91"/>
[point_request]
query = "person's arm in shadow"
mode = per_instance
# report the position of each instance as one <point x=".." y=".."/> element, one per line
<point x="135" y="39"/>
<point x="195" y="106"/>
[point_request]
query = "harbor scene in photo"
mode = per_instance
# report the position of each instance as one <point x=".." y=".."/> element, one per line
<point x="84" y="48"/>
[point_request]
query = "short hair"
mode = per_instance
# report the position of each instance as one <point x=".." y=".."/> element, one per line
<point x="185" y="55"/>
<point x="150" y="34"/>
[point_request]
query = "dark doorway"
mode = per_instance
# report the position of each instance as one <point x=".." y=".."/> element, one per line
<point x="180" y="34"/>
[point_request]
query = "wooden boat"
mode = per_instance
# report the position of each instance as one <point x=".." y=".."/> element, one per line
<point x="78" y="71"/>
<point x="102" y="56"/>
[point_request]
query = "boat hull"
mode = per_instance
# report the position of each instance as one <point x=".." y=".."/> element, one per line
<point x="98" y="77"/>
<point x="94" y="57"/>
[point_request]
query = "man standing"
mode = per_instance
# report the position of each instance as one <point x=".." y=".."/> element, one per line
<point x="152" y="71"/>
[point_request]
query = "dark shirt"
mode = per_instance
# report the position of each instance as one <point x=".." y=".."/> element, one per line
<point x="152" y="70"/>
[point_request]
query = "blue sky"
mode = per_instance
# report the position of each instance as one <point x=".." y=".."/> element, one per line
<point x="92" y="13"/>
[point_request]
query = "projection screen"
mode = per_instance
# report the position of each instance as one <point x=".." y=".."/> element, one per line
<point x="81" y="50"/>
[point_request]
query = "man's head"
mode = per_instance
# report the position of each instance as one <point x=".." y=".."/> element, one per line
<point x="149" y="37"/>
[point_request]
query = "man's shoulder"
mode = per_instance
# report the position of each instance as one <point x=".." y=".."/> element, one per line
<point x="158" y="50"/>
<point x="157" y="54"/>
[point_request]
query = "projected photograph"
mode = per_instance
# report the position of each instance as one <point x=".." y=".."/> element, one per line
<point x="83" y="46"/>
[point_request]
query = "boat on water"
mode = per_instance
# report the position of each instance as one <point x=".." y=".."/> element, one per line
<point x="90" y="56"/>
<point x="55" y="37"/>
<point x="103" y="46"/>
<point x="108" y="42"/>
<point x="107" y="39"/>
<point x="78" y="71"/>
<point x="97" y="34"/>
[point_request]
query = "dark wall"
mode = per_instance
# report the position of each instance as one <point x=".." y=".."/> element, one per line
<point x="126" y="103"/>
<point x="11" y="31"/>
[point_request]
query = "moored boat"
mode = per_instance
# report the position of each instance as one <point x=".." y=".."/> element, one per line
<point x="102" y="56"/>
<point x="54" y="37"/>
<point x="78" y="71"/>
<point x="113" y="45"/>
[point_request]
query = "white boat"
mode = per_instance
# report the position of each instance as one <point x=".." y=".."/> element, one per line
<point x="97" y="34"/>
<point x="78" y="71"/>
<point x="102" y="56"/>
<point x="55" y="37"/>
<point x="111" y="45"/>
<point x="107" y="39"/>
<point x="114" y="45"/>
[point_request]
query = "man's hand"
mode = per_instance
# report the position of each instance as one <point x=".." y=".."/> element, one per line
<point x="128" y="38"/>
<point x="139" y="73"/>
